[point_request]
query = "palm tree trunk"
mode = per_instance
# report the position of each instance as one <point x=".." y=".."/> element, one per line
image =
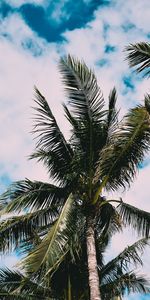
<point x="92" y="261"/>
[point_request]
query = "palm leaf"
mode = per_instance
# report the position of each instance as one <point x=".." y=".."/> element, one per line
<point x="14" y="285"/>
<point x="120" y="158"/>
<point x="50" y="160"/>
<point x="86" y="103"/>
<point x="81" y="85"/>
<point x="131" y="254"/>
<point x="107" y="220"/>
<point x="87" y="143"/>
<point x="137" y="218"/>
<point x="139" y="55"/>
<point x="56" y="243"/>
<point x="128" y="282"/>
<point x="49" y="136"/>
<point x="19" y="230"/>
<point x="32" y="195"/>
<point x="112" y="115"/>
<point x="9" y="296"/>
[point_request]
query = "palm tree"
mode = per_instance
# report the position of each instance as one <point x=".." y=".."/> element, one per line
<point x="102" y="154"/>
<point x="116" y="278"/>
<point x="139" y="55"/>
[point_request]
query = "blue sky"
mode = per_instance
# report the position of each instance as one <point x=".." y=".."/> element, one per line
<point x="33" y="36"/>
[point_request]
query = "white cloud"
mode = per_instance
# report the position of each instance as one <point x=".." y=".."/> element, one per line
<point x="20" y="70"/>
<point x="16" y="3"/>
<point x="9" y="261"/>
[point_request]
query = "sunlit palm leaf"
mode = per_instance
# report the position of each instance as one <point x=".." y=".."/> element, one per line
<point x="56" y="243"/>
<point x="139" y="56"/>
<point x="137" y="218"/>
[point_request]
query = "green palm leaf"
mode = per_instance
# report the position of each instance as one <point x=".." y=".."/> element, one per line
<point x="32" y="195"/>
<point x="19" y="230"/>
<point x="131" y="254"/>
<point x="85" y="96"/>
<point x="9" y="296"/>
<point x="139" y="55"/>
<point x="14" y="285"/>
<point x="50" y="160"/>
<point x="137" y="218"/>
<point x="128" y="282"/>
<point x="120" y="158"/>
<point x="49" y="136"/>
<point x="112" y="115"/>
<point x="55" y="245"/>
<point x="86" y="115"/>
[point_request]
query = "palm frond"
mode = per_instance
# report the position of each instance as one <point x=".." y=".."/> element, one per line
<point x="139" y="56"/>
<point x="86" y="103"/>
<point x="130" y="255"/>
<point x="107" y="223"/>
<point x="32" y="195"/>
<point x="87" y="143"/>
<point x="128" y="282"/>
<point x="55" y="169"/>
<point x="10" y="279"/>
<point x="85" y="96"/>
<point x="137" y="218"/>
<point x="120" y="158"/>
<point x="49" y="135"/>
<point x="107" y="220"/>
<point x="19" y="230"/>
<point x="14" y="285"/>
<point x="55" y="245"/>
<point x="112" y="115"/>
<point x="9" y="296"/>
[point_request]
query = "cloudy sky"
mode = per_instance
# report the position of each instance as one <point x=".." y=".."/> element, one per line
<point x="33" y="36"/>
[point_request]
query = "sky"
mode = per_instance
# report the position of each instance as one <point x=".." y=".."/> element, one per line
<point x="34" y="34"/>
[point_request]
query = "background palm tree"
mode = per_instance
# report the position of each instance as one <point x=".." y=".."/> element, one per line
<point x="102" y="154"/>
<point x="139" y="56"/>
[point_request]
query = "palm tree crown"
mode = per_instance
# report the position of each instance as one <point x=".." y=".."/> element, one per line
<point x="102" y="154"/>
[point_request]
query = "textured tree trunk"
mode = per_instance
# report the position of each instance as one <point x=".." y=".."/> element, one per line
<point x="92" y="261"/>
